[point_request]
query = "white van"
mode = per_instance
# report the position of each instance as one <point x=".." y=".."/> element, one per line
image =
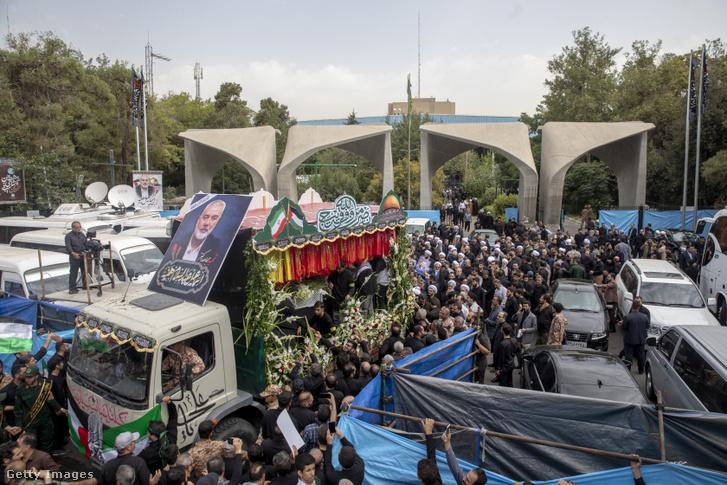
<point x="20" y="272"/>
<point x="129" y="253"/>
<point x="417" y="224"/>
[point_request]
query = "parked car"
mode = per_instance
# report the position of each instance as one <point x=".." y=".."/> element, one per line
<point x="688" y="364"/>
<point x="671" y="296"/>
<point x="490" y="234"/>
<point x="585" y="310"/>
<point x="579" y="372"/>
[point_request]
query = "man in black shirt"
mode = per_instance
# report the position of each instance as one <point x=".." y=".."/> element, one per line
<point x="75" y="246"/>
<point x="160" y="437"/>
<point x="506" y="357"/>
<point x="321" y="321"/>
<point x="125" y="444"/>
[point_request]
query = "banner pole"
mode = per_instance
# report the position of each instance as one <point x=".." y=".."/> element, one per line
<point x="699" y="135"/>
<point x="686" y="144"/>
<point x="146" y="138"/>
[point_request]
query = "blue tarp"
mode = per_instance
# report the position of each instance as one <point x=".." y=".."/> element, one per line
<point x="29" y="311"/>
<point x="370" y="396"/>
<point x="431" y="215"/>
<point x="621" y="218"/>
<point x="392" y="459"/>
<point x="673" y="219"/>
<point x="511" y="213"/>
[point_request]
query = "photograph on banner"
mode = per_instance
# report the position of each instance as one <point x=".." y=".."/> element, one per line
<point x="148" y="189"/>
<point x="200" y="245"/>
<point x="12" y="182"/>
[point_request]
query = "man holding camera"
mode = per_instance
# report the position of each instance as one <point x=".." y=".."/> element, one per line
<point x="75" y="246"/>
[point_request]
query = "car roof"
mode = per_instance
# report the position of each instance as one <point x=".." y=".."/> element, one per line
<point x="565" y="282"/>
<point x="57" y="237"/>
<point x="658" y="270"/>
<point x="712" y="338"/>
<point x="594" y="374"/>
<point x="25" y="259"/>
<point x="418" y="220"/>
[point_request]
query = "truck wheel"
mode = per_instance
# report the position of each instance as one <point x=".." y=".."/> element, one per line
<point x="234" y="427"/>
<point x="650" y="384"/>
<point x="722" y="312"/>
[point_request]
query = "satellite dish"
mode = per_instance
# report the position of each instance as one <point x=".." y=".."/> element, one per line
<point x="96" y="192"/>
<point x="122" y="196"/>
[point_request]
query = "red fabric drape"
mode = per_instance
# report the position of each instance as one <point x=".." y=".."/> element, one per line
<point x="312" y="261"/>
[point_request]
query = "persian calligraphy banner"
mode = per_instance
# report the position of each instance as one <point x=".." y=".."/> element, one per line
<point x="12" y="182"/>
<point x="200" y="245"/>
<point x="148" y="190"/>
<point x="345" y="214"/>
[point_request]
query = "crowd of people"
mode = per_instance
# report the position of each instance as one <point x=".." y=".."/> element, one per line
<point x="500" y="285"/>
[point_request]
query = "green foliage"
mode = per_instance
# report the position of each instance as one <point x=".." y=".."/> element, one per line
<point x="583" y="79"/>
<point x="501" y="202"/>
<point x="715" y="178"/>
<point x="352" y="120"/>
<point x="276" y="115"/>
<point x="401" y="298"/>
<point x="261" y="312"/>
<point x="589" y="182"/>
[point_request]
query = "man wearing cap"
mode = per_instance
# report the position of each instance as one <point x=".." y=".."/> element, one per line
<point x="35" y="407"/>
<point x="125" y="444"/>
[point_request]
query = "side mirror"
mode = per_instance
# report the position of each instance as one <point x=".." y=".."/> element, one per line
<point x="187" y="378"/>
<point x="651" y="341"/>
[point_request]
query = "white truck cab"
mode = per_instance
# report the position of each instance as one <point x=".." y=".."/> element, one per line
<point x="124" y="360"/>
<point x="20" y="272"/>
<point x="129" y="253"/>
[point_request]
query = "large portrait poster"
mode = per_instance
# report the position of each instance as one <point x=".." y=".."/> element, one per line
<point x="148" y="189"/>
<point x="12" y="182"/>
<point x="200" y="245"/>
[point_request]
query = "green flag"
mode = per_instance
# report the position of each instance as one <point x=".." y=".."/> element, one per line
<point x="408" y="95"/>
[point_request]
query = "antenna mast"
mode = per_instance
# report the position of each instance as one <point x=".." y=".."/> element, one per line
<point x="419" y="55"/>
<point x="149" y="56"/>
<point x="197" y="78"/>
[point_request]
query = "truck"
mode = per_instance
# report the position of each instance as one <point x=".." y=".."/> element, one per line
<point x="122" y="361"/>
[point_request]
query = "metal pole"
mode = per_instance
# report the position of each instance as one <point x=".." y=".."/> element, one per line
<point x="699" y="135"/>
<point x="42" y="280"/>
<point x="146" y="137"/>
<point x="660" y="413"/>
<point x="512" y="437"/>
<point x="85" y="277"/>
<point x="408" y="165"/>
<point x="138" y="155"/>
<point x="686" y="145"/>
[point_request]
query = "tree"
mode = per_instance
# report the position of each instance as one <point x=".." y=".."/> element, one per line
<point x="583" y="80"/>
<point x="274" y="114"/>
<point x="714" y="174"/>
<point x="231" y="111"/>
<point x="352" y="120"/>
<point x="589" y="182"/>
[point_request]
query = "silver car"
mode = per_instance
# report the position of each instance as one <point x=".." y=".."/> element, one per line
<point x="688" y="364"/>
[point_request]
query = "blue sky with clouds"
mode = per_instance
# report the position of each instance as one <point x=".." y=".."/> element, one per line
<point x="323" y="57"/>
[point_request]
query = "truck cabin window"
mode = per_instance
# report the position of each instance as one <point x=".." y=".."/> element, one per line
<point x="114" y="367"/>
<point x="197" y="351"/>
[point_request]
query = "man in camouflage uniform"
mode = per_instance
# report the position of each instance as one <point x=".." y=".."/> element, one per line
<point x="34" y="409"/>
<point x="205" y="448"/>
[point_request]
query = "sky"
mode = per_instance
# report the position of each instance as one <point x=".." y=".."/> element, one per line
<point x="324" y="59"/>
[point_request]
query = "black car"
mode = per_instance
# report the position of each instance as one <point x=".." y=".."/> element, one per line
<point x="579" y="372"/>
<point x="585" y="310"/>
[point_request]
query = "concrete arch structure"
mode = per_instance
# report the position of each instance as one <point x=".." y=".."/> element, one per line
<point x="205" y="151"/>
<point x="441" y="142"/>
<point x="621" y="145"/>
<point x="372" y="142"/>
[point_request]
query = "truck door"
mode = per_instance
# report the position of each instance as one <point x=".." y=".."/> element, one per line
<point x="201" y="349"/>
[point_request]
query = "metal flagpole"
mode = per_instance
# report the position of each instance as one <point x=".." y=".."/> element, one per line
<point x="686" y="144"/>
<point x="146" y="138"/>
<point x="699" y="133"/>
<point x="135" y="116"/>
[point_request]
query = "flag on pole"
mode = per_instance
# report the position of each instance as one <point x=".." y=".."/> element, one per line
<point x="15" y="336"/>
<point x="137" y="88"/>
<point x="705" y="78"/>
<point x="692" y="88"/>
<point x="408" y="95"/>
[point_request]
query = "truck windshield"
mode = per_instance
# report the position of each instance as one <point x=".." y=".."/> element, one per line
<point x="119" y="368"/>
<point x="55" y="278"/>
<point x="142" y="259"/>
